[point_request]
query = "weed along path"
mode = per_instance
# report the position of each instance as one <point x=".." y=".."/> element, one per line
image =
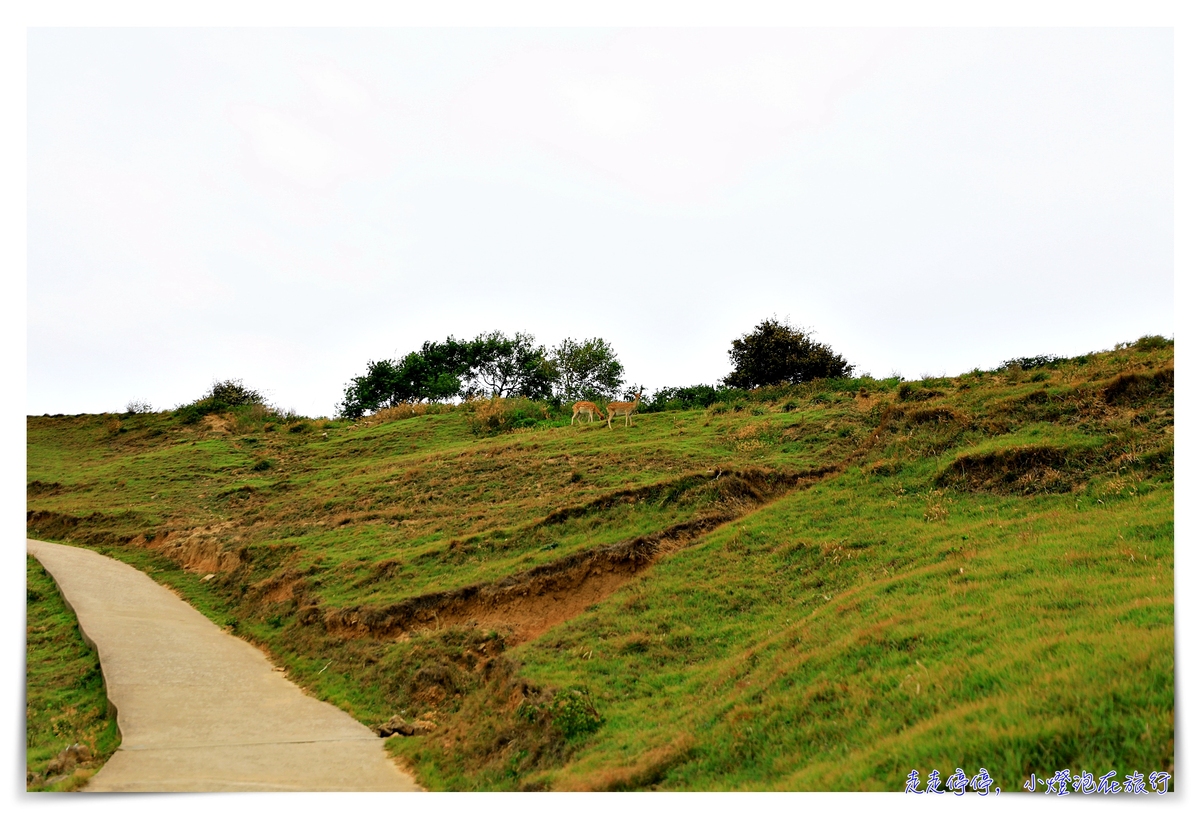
<point x="200" y="710"/>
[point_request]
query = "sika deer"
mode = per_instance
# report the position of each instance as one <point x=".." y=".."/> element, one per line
<point x="585" y="407"/>
<point x="625" y="408"/>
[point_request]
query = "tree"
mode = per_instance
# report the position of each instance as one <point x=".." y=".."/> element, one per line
<point x="776" y="352"/>
<point x="372" y="391"/>
<point x="492" y="363"/>
<point x="504" y="367"/>
<point x="434" y="372"/>
<point x="587" y="370"/>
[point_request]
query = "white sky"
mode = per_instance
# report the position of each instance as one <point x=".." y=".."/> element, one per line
<point x="281" y="205"/>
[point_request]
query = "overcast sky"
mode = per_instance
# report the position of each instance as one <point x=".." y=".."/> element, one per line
<point x="283" y="205"/>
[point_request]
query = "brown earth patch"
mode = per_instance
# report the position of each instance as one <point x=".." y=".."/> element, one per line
<point x="280" y="587"/>
<point x="1137" y="387"/>
<point x="884" y="468"/>
<point x="201" y="549"/>
<point x="205" y="549"/>
<point x="909" y="392"/>
<point x="36" y="488"/>
<point x="1018" y="470"/>
<point x="52" y="524"/>
<point x="98" y="527"/>
<point x="649" y="769"/>
<point x="933" y="414"/>
<point x="382" y="570"/>
<point x="753" y="484"/>
<point x="219" y="423"/>
<point x="529" y="603"/>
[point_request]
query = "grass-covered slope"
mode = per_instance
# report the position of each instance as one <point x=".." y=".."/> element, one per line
<point x="820" y="587"/>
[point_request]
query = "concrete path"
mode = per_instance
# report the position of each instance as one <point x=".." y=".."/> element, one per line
<point x="201" y="710"/>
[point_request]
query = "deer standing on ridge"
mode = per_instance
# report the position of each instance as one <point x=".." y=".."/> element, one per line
<point x="625" y="408"/>
<point x="585" y="407"/>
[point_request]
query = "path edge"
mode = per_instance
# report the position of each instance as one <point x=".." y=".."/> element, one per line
<point x="113" y="712"/>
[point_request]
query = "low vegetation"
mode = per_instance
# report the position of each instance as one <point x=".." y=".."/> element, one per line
<point x="815" y="586"/>
<point x="69" y="731"/>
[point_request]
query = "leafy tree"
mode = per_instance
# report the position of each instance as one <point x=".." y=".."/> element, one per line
<point x="492" y="363"/>
<point x="632" y="390"/>
<point x="506" y="367"/>
<point x="372" y="391"/>
<point x="436" y="372"/>
<point x="587" y="370"/>
<point x="776" y="352"/>
<point x="432" y="373"/>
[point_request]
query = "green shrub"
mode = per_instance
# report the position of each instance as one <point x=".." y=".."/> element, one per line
<point x="676" y="398"/>
<point x="1150" y="342"/>
<point x="907" y="391"/>
<point x="574" y="714"/>
<point x="222" y="396"/>
<point x="1031" y="362"/>
<point x="192" y="413"/>
<point x="571" y="712"/>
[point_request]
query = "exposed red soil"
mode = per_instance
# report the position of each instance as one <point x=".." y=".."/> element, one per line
<point x="525" y="605"/>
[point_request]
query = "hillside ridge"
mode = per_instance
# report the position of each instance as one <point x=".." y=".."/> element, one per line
<point x="743" y="596"/>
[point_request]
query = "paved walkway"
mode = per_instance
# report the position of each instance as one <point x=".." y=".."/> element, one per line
<point x="199" y="709"/>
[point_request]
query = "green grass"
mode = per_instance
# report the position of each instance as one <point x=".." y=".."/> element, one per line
<point x="966" y="572"/>
<point x="65" y="703"/>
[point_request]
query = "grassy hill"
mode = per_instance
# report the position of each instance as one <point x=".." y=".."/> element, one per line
<point x="813" y="588"/>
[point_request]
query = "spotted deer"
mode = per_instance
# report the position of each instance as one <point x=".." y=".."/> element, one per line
<point x="585" y="407"/>
<point x="625" y="408"/>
